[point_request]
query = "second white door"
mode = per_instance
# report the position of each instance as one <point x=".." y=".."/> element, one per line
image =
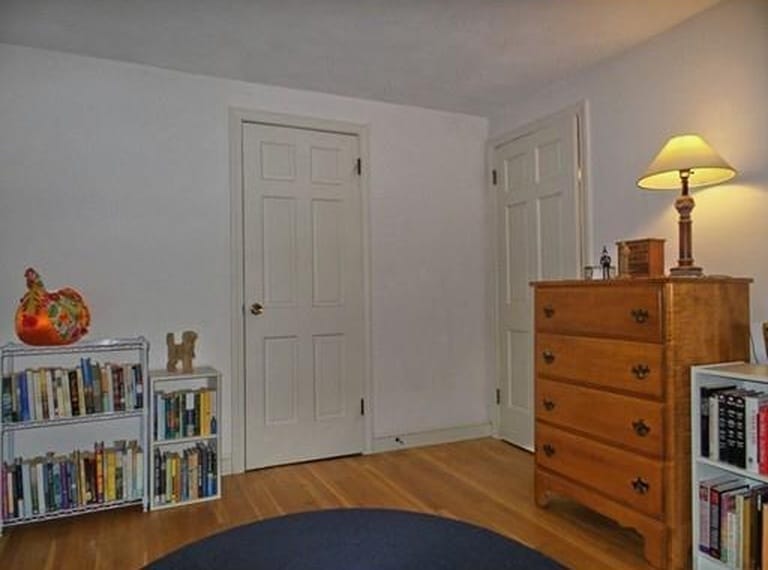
<point x="303" y="284"/>
<point x="539" y="237"/>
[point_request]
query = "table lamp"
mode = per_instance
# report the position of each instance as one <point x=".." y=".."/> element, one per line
<point x="686" y="161"/>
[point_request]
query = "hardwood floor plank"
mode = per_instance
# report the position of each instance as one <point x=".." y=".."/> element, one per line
<point x="484" y="481"/>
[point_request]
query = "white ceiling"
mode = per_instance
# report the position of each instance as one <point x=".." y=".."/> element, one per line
<point x="472" y="56"/>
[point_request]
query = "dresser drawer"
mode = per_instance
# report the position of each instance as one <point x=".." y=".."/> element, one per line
<point x="631" y="312"/>
<point x="616" y="364"/>
<point x="622" y="476"/>
<point x="629" y="422"/>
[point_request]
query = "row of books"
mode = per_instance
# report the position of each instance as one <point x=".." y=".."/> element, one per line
<point x="43" y="485"/>
<point x="185" y="413"/>
<point x="733" y="522"/>
<point x="734" y="427"/>
<point x="186" y="475"/>
<point x="91" y="388"/>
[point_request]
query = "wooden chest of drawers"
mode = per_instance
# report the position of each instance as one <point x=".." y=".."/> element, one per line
<point x="612" y="395"/>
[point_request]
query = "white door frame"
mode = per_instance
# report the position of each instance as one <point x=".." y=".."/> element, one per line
<point x="581" y="111"/>
<point x="237" y="117"/>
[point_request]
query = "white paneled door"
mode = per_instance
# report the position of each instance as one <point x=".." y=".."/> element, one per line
<point x="538" y="238"/>
<point x="303" y="285"/>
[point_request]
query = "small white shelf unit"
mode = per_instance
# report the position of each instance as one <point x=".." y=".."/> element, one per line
<point x="741" y="375"/>
<point x="162" y="381"/>
<point x="64" y="434"/>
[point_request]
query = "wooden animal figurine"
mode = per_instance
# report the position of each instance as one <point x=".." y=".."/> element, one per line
<point x="50" y="317"/>
<point x="185" y="351"/>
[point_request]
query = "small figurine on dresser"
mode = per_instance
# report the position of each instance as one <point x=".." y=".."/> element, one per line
<point x="605" y="263"/>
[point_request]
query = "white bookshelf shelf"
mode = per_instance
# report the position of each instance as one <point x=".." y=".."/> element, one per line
<point x="741" y="375"/>
<point x="22" y="442"/>
<point x="63" y="513"/>
<point x="169" y="384"/>
<point x="184" y="440"/>
<point x="103" y="417"/>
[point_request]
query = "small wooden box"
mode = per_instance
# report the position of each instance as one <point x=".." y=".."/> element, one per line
<point x="646" y="257"/>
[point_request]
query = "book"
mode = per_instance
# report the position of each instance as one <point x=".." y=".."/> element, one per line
<point x="762" y="439"/>
<point x="87" y="378"/>
<point x="736" y="423"/>
<point x="24" y="398"/>
<point x="707" y="392"/>
<point x="705" y="487"/>
<point x="6" y="399"/>
<point x="98" y="402"/>
<point x="73" y="393"/>
<point x="139" y="380"/>
<point x="129" y="398"/>
<point x="50" y="388"/>
<point x="27" y="487"/>
<point x="41" y="395"/>
<point x="752" y="402"/>
<point x="716" y="491"/>
<point x="64" y="379"/>
<point x="189" y="414"/>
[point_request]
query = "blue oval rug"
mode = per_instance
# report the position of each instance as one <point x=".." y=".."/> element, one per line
<point x="356" y="539"/>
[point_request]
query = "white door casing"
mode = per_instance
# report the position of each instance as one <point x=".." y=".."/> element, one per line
<point x="304" y="355"/>
<point x="538" y="213"/>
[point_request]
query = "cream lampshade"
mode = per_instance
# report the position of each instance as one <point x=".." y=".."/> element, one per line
<point x="686" y="161"/>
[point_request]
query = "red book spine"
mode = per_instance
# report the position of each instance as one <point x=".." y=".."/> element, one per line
<point x="762" y="439"/>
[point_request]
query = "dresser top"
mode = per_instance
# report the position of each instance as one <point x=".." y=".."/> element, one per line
<point x="713" y="279"/>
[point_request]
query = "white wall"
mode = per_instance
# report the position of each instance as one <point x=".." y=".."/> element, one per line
<point x="709" y="75"/>
<point x="114" y="179"/>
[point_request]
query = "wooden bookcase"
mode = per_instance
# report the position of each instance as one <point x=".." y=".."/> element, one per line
<point x="57" y="443"/>
<point x="740" y="375"/>
<point x="184" y="421"/>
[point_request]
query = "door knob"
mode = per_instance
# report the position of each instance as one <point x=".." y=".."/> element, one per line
<point x="257" y="309"/>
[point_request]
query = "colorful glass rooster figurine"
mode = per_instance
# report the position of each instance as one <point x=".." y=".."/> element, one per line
<point x="50" y="318"/>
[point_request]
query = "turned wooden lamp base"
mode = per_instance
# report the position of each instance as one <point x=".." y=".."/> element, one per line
<point x="690" y="271"/>
<point x="684" y="206"/>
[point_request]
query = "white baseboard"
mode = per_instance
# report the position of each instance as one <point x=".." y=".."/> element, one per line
<point x="406" y="440"/>
<point x="431" y="437"/>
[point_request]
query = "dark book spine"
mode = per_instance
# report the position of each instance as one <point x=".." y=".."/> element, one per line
<point x="73" y="396"/>
<point x="96" y="382"/>
<point x="23" y="398"/>
<point x="740" y="432"/>
<point x="163" y="480"/>
<point x="16" y="397"/>
<point x="156" y="475"/>
<point x="65" y="483"/>
<point x="18" y="504"/>
<point x="50" y="499"/>
<point x="7" y="399"/>
<point x="714" y="524"/>
<point x="722" y="427"/>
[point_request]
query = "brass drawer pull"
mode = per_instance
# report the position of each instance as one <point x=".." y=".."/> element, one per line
<point x="640" y="315"/>
<point x="641" y="428"/>
<point x="641" y="371"/>
<point x="549" y="405"/>
<point x="548" y="356"/>
<point x="641" y="486"/>
<point x="549" y="311"/>
<point x="549" y="450"/>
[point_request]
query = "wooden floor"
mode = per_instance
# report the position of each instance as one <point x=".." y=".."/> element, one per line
<point x="484" y="481"/>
